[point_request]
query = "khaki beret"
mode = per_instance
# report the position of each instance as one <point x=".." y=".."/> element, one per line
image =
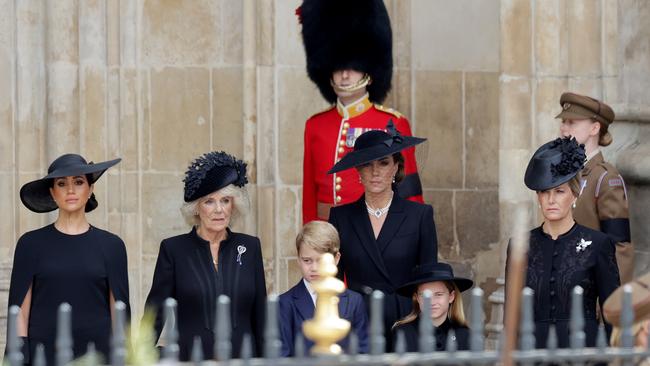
<point x="613" y="306"/>
<point x="576" y="106"/>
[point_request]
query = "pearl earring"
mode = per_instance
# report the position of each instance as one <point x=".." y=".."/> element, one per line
<point x="574" y="204"/>
<point x="393" y="179"/>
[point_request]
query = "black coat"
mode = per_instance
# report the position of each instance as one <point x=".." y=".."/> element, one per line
<point x="407" y="239"/>
<point x="185" y="272"/>
<point x="411" y="335"/>
<point x="580" y="257"/>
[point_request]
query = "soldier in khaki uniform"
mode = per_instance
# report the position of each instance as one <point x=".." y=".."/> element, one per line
<point x="603" y="203"/>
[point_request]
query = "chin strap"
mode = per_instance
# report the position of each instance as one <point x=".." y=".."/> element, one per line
<point x="362" y="83"/>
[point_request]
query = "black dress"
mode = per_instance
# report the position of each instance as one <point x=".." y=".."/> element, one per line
<point x="81" y="270"/>
<point x="580" y="257"/>
<point x="185" y="272"/>
<point x="407" y="239"/>
<point x="411" y="335"/>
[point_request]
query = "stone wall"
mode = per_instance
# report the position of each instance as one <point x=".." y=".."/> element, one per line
<point x="158" y="82"/>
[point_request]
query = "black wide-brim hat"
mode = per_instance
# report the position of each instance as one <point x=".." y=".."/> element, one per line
<point x="374" y="145"/>
<point x="554" y="163"/>
<point x="212" y="171"/>
<point x="348" y="34"/>
<point x="433" y="272"/>
<point x="36" y="195"/>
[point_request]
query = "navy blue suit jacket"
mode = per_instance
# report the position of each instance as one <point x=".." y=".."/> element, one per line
<point x="296" y="306"/>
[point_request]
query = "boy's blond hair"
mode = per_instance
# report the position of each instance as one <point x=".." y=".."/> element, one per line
<point x="321" y="236"/>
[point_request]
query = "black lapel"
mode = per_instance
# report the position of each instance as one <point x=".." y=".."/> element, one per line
<point x="396" y="215"/>
<point x="303" y="300"/>
<point x="363" y="228"/>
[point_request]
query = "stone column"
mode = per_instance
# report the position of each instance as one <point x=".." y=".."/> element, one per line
<point x="632" y="128"/>
<point x="62" y="65"/>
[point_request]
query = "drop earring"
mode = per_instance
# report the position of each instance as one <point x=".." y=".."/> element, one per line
<point x="573" y="205"/>
<point x="393" y="179"/>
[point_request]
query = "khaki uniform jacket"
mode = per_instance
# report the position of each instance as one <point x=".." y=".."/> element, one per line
<point x="603" y="206"/>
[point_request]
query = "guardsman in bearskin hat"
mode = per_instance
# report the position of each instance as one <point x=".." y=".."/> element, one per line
<point x="348" y="45"/>
<point x="602" y="204"/>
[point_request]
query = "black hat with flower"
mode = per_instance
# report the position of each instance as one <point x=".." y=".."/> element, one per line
<point x="212" y="171"/>
<point x="555" y="163"/>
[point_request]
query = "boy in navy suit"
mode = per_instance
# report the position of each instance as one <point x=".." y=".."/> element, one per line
<point x="298" y="304"/>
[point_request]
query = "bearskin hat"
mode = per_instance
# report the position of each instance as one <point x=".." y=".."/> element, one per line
<point x="354" y="34"/>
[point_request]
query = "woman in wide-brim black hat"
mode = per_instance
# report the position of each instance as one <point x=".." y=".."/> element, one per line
<point x="212" y="260"/>
<point x="69" y="261"/>
<point x="383" y="236"/>
<point x="446" y="306"/>
<point x="563" y="254"/>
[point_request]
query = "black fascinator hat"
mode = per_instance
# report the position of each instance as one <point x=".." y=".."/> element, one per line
<point x="36" y="196"/>
<point x="374" y="145"/>
<point x="555" y="163"/>
<point x="212" y="171"/>
<point x="433" y="272"/>
<point x="347" y="34"/>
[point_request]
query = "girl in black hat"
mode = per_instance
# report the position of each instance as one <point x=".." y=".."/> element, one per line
<point x="383" y="236"/>
<point x="563" y="254"/>
<point x="446" y="306"/>
<point x="211" y="260"/>
<point x="69" y="261"/>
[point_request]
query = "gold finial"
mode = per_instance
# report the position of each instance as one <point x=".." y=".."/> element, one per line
<point x="326" y="328"/>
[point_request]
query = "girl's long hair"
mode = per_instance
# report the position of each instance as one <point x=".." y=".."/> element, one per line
<point x="455" y="313"/>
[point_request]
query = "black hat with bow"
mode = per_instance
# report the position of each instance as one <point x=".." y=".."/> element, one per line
<point x="555" y="163"/>
<point x="374" y="145"/>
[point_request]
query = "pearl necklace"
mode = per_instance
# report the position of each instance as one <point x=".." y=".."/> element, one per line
<point x="379" y="212"/>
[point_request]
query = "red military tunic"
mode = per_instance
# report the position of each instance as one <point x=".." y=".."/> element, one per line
<point x="330" y="135"/>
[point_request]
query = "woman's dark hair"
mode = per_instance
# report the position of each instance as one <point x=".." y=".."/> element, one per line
<point x="398" y="158"/>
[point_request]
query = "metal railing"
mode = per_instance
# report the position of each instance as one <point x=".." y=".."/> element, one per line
<point x="526" y="354"/>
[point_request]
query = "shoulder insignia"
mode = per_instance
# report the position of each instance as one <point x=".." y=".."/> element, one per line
<point x="615" y="182"/>
<point x="321" y="112"/>
<point x="388" y="110"/>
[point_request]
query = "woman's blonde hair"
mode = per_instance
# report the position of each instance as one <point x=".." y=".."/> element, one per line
<point x="604" y="137"/>
<point x="574" y="185"/>
<point x="241" y="205"/>
<point x="456" y="313"/>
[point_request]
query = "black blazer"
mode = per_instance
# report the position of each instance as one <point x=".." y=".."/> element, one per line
<point x="185" y="271"/>
<point x="580" y="257"/>
<point x="296" y="306"/>
<point x="407" y="239"/>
